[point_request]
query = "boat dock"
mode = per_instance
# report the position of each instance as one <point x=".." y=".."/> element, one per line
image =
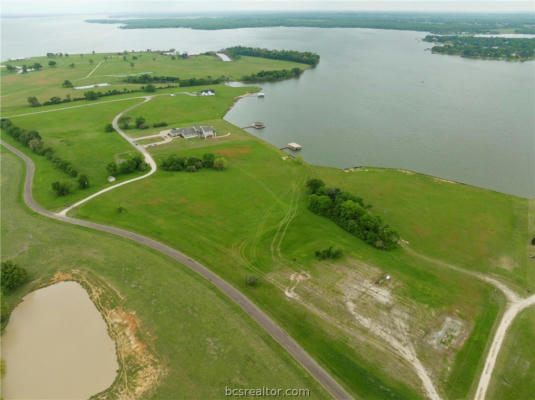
<point x="256" y="125"/>
<point x="292" y="146"/>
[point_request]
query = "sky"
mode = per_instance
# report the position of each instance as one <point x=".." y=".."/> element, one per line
<point x="35" y="7"/>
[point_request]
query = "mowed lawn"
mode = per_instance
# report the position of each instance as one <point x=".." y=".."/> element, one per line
<point x="112" y="69"/>
<point x="514" y="375"/>
<point x="203" y="341"/>
<point x="229" y="220"/>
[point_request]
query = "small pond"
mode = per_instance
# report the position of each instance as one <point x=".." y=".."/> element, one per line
<point x="56" y="346"/>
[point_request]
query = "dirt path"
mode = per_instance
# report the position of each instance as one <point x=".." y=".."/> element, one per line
<point x="515" y="304"/>
<point x="513" y="309"/>
<point x="92" y="71"/>
<point x="270" y="326"/>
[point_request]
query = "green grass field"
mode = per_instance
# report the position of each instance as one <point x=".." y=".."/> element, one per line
<point x="515" y="370"/>
<point x="111" y="69"/>
<point x="204" y="341"/>
<point x="228" y="221"/>
<point x="252" y="219"/>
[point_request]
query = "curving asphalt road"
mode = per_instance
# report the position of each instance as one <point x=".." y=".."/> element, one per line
<point x="271" y="327"/>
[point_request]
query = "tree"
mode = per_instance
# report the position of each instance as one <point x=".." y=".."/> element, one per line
<point x="320" y="204"/>
<point x="139" y="121"/>
<point x="109" y="128"/>
<point x="61" y="188"/>
<point x="24" y="69"/>
<point x="91" y="61"/>
<point x="314" y="184"/>
<point x="112" y="168"/>
<point x="208" y="160"/>
<point x="12" y="276"/>
<point x="11" y="68"/>
<point x="33" y="101"/>
<point x="251" y="280"/>
<point x="150" y="88"/>
<point x="83" y="181"/>
<point x="37" y="66"/>
<point x="220" y="164"/>
<point x="91" y="95"/>
<point x="52" y="63"/>
<point x="124" y="121"/>
<point x="67" y="83"/>
<point x="131" y="65"/>
<point x="71" y="65"/>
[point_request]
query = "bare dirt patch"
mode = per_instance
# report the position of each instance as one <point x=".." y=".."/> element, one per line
<point x="140" y="370"/>
<point x="236" y="151"/>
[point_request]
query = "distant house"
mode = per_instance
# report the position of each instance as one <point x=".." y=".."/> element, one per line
<point x="207" y="92"/>
<point x="189" y="132"/>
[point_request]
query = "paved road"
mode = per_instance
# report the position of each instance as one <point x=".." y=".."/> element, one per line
<point x="333" y="387"/>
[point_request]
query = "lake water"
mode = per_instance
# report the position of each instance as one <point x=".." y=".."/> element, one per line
<point x="377" y="98"/>
<point x="56" y="346"/>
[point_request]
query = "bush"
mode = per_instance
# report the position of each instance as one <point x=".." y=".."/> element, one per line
<point x="61" y="188"/>
<point x="140" y="121"/>
<point x="251" y="280"/>
<point x="328" y="253"/>
<point x="109" y="128"/>
<point x="191" y="168"/>
<point x="83" y="182"/>
<point x="220" y="164"/>
<point x="208" y="160"/>
<point x="159" y="124"/>
<point x="313" y="185"/>
<point x="12" y="276"/>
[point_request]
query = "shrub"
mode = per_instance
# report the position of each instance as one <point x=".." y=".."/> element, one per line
<point x="208" y="160"/>
<point x="109" y="128"/>
<point x="83" y="181"/>
<point x="314" y="184"/>
<point x="328" y="253"/>
<point x="61" y="188"/>
<point x="12" y="276"/>
<point x="159" y="124"/>
<point x="251" y="280"/>
<point x="112" y="168"/>
<point x="220" y="164"/>
<point x="191" y="168"/>
<point x="140" y="121"/>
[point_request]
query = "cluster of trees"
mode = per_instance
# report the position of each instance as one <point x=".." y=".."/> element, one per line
<point x="303" y="57"/>
<point x="351" y="214"/>
<point x="192" y="164"/>
<point x="484" y="47"/>
<point x="136" y="163"/>
<point x="271" y="76"/>
<point x="36" y="67"/>
<point x="140" y="123"/>
<point x="327" y="253"/>
<point x="146" y="79"/>
<point x="33" y="140"/>
<point x="89" y="95"/>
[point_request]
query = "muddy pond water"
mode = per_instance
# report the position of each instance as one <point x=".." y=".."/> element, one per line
<point x="56" y="346"/>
